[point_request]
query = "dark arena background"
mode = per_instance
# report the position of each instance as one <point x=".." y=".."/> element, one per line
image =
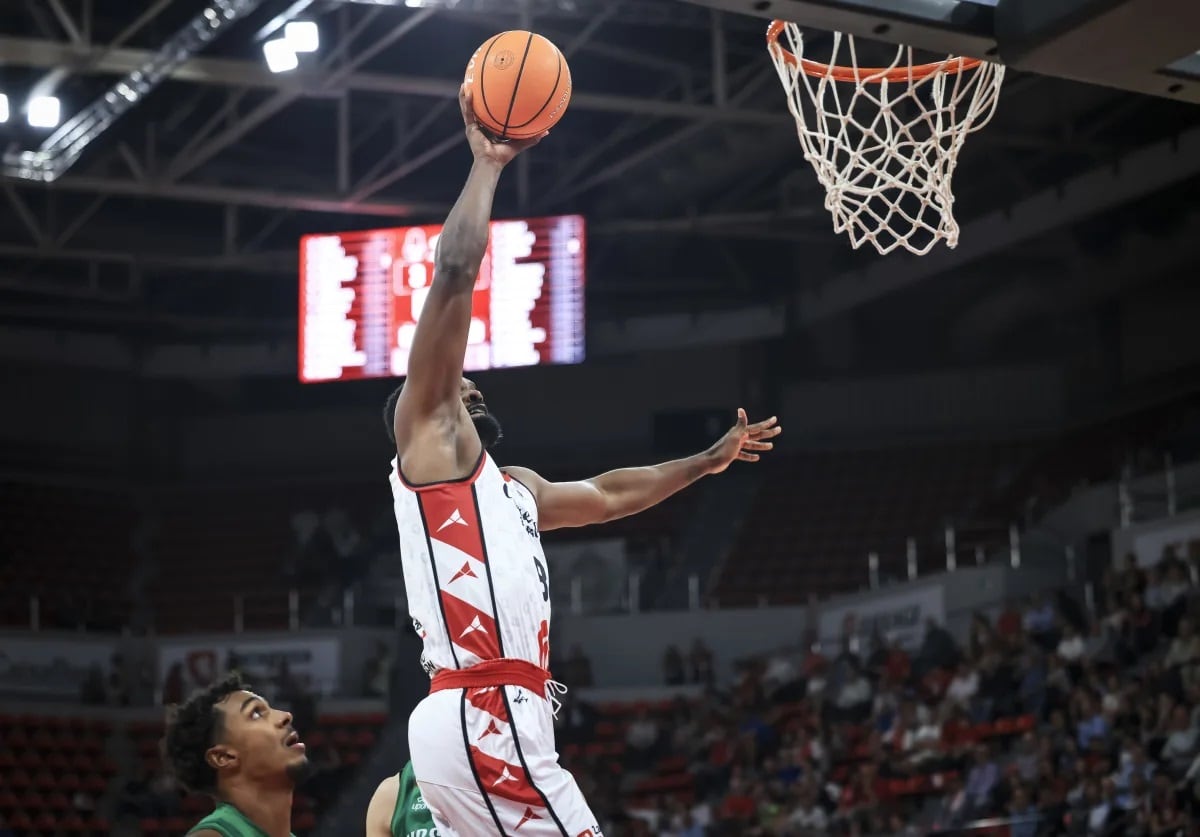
<point x="960" y="596"/>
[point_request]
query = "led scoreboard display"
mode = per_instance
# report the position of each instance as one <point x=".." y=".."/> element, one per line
<point x="361" y="295"/>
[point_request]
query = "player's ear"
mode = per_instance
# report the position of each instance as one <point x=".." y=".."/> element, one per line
<point x="221" y="757"/>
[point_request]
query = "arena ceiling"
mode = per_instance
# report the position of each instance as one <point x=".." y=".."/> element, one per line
<point x="182" y="217"/>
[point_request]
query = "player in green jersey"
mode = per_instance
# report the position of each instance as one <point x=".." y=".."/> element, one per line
<point x="398" y="810"/>
<point x="227" y="742"/>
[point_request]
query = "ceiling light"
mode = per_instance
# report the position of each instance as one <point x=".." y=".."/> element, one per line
<point x="280" y="56"/>
<point x="302" y="36"/>
<point x="44" y="111"/>
<point x="3" y="108"/>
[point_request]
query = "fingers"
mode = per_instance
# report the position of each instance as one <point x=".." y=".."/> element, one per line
<point x="741" y="419"/>
<point x="521" y="145"/>
<point x="750" y="444"/>
<point x="747" y="457"/>
<point x="769" y="433"/>
<point x="465" y="94"/>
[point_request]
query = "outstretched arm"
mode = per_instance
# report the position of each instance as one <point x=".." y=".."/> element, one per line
<point x="627" y="491"/>
<point x="431" y="396"/>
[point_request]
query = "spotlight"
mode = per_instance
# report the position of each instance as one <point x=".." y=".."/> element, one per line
<point x="3" y="108"/>
<point x="44" y="111"/>
<point x="280" y="56"/>
<point x="302" y="36"/>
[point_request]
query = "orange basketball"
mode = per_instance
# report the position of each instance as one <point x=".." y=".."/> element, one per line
<point x="521" y="84"/>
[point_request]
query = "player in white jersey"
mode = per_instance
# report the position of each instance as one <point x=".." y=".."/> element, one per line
<point x="482" y="742"/>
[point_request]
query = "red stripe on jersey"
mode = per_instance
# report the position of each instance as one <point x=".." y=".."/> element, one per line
<point x="470" y="628"/>
<point x="451" y="519"/>
<point x="507" y="781"/>
<point x="489" y="700"/>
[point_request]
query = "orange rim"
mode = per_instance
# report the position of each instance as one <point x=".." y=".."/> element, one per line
<point x="866" y="75"/>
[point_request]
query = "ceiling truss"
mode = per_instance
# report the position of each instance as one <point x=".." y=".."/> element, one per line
<point x="679" y="148"/>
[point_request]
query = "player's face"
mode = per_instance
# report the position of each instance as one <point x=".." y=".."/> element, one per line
<point x="485" y="423"/>
<point x="258" y="742"/>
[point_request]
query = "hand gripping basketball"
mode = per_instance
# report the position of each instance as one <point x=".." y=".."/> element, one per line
<point x="483" y="146"/>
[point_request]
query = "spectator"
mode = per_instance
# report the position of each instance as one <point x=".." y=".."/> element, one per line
<point x="642" y="738"/>
<point x="673" y="674"/>
<point x="577" y="669"/>
<point x="701" y="662"/>
<point x="964" y="686"/>
<point x="1026" y="820"/>
<point x="982" y="781"/>
<point x="377" y="675"/>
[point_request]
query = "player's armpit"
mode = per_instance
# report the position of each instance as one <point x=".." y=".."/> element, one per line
<point x="383" y="803"/>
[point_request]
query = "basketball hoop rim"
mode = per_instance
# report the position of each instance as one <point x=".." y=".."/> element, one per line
<point x="866" y="75"/>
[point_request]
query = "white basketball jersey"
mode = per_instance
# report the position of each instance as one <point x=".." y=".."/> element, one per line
<point x="475" y="573"/>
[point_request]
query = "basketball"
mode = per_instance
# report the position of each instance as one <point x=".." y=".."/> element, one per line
<point x="521" y="84"/>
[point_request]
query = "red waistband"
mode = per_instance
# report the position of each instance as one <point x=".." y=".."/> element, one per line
<point x="504" y="672"/>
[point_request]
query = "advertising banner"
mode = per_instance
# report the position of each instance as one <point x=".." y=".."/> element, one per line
<point x="311" y="663"/>
<point x="898" y="616"/>
<point x="36" y="667"/>
<point x="601" y="568"/>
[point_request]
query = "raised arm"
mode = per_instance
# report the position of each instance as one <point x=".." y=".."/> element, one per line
<point x="627" y="491"/>
<point x="434" y="436"/>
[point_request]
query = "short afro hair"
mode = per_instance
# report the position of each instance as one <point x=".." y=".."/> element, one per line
<point x="192" y="728"/>
<point x="389" y="413"/>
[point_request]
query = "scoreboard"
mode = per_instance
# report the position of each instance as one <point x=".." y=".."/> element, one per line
<point x="361" y="295"/>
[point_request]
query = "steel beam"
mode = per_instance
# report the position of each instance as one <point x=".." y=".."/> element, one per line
<point x="66" y="21"/>
<point x="1127" y="44"/>
<point x="35" y="52"/>
<point x="334" y="68"/>
<point x="24" y="213"/>
<point x="654" y="149"/>
<point x="947" y="26"/>
<point x="268" y="199"/>
<point x="1138" y="173"/>
<point x="265" y="263"/>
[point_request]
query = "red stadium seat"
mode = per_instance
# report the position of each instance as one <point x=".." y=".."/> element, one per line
<point x="58" y="801"/>
<point x="32" y="801"/>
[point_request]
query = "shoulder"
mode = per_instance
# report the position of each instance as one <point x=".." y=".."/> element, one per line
<point x="527" y="477"/>
<point x="383" y="805"/>
<point x="388" y="789"/>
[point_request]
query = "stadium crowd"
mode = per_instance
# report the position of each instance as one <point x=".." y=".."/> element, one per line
<point x="1049" y="719"/>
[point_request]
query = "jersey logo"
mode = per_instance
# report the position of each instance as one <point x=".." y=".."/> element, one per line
<point x="492" y="729"/>
<point x="529" y="815"/>
<point x="475" y="625"/>
<point x="454" y="519"/>
<point x="419" y="804"/>
<point x="505" y="776"/>
<point x="520" y="698"/>
<point x="465" y="571"/>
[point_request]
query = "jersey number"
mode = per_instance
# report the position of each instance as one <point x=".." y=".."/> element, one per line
<point x="544" y="644"/>
<point x="542" y="578"/>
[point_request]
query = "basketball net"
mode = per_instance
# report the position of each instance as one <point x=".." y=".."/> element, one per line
<point x="884" y="141"/>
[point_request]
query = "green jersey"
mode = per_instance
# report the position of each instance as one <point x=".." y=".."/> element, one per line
<point x="228" y="822"/>
<point x="411" y="817"/>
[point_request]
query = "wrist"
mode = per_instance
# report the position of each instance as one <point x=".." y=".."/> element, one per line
<point x="708" y="461"/>
<point x="488" y="166"/>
